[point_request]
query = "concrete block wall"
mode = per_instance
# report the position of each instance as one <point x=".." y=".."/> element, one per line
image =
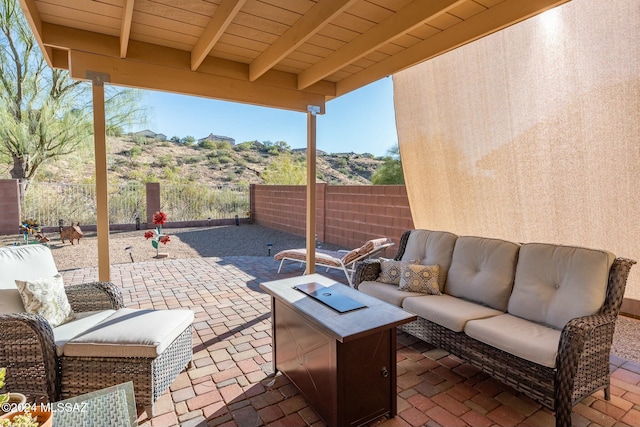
<point x="9" y="206"/>
<point x="345" y="215"/>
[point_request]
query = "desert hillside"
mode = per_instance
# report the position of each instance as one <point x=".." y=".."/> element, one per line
<point x="146" y="159"/>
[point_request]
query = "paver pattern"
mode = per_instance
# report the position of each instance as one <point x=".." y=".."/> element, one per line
<point x="231" y="381"/>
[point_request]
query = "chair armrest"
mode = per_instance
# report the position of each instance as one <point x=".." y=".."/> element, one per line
<point x="367" y="270"/>
<point x="94" y="296"/>
<point x="585" y="346"/>
<point x="28" y="351"/>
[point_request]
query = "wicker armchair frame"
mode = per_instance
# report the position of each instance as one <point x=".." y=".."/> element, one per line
<point x="582" y="364"/>
<point x="27" y="348"/>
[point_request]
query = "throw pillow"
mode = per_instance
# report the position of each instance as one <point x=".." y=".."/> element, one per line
<point x="47" y="298"/>
<point x="420" y="278"/>
<point x="390" y="271"/>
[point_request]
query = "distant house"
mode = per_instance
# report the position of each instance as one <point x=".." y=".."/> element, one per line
<point x="218" y="138"/>
<point x="150" y="134"/>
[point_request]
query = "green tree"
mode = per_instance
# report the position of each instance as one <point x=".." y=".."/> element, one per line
<point x="44" y="113"/>
<point x="285" y="170"/>
<point x="390" y="172"/>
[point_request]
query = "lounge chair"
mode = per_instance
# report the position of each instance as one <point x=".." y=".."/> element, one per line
<point x="341" y="260"/>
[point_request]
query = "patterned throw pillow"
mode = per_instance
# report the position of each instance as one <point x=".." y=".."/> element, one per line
<point x="420" y="278"/>
<point x="391" y="270"/>
<point x="47" y="298"/>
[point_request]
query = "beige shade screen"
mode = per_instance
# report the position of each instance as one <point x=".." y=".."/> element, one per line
<point x="531" y="134"/>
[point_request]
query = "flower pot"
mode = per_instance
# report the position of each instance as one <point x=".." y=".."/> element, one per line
<point x="16" y="400"/>
<point x="44" y="418"/>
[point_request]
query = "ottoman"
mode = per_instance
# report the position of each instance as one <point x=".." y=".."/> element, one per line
<point x="148" y="347"/>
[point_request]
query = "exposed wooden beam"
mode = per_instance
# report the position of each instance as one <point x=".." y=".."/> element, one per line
<point x="125" y="26"/>
<point x="66" y="38"/>
<point x="406" y="19"/>
<point x="221" y="19"/>
<point x="304" y="28"/>
<point x="35" y="22"/>
<point x="127" y="72"/>
<point x="500" y="16"/>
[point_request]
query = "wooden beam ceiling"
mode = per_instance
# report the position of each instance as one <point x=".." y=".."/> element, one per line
<point x="277" y="53"/>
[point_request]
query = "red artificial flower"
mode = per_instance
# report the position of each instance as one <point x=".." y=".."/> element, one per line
<point x="164" y="239"/>
<point x="148" y="234"/>
<point x="159" y="218"/>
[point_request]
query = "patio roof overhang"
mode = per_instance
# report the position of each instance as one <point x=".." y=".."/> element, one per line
<point x="287" y="54"/>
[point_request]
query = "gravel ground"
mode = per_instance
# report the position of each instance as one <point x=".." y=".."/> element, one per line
<point x="232" y="240"/>
<point x="243" y="240"/>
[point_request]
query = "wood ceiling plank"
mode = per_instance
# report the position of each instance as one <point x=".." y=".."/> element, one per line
<point x="221" y="19"/>
<point x="261" y="24"/>
<point x="86" y="26"/>
<point x="151" y="24"/>
<point x="394" y="27"/>
<point x="339" y="33"/>
<point x="205" y="8"/>
<point x="504" y="14"/>
<point x="392" y="5"/>
<point x="124" y="72"/>
<point x="305" y="27"/>
<point x="110" y="20"/>
<point x="299" y="6"/>
<point x="88" y="6"/>
<point x="353" y="23"/>
<point x="173" y="13"/>
<point x="162" y="33"/>
<point x="325" y="42"/>
<point x="467" y="9"/>
<point x="125" y="26"/>
<point x="369" y="11"/>
<point x="424" y="31"/>
<point x="273" y="13"/>
<point x="444" y="21"/>
<point x="250" y="33"/>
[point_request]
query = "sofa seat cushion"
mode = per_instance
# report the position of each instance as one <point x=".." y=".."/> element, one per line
<point x="554" y="284"/>
<point x="451" y="312"/>
<point x="131" y="333"/>
<point x="431" y="248"/>
<point x="385" y="291"/>
<point x="482" y="270"/>
<point x="528" y="340"/>
<point x="82" y="323"/>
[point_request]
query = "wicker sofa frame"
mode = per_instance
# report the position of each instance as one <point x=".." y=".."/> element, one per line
<point x="28" y="351"/>
<point x="582" y="364"/>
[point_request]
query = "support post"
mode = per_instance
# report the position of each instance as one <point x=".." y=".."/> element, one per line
<point x="102" y="198"/>
<point x="312" y="110"/>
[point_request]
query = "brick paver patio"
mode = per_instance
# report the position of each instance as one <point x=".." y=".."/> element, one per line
<point x="229" y="384"/>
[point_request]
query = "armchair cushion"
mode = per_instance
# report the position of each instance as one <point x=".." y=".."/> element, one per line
<point x="131" y="333"/>
<point x="46" y="297"/>
<point x="26" y="262"/>
<point x="83" y="322"/>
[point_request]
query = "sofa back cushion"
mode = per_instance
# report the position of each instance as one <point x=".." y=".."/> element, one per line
<point x="431" y="248"/>
<point x="26" y="262"/>
<point x="554" y="284"/>
<point x="482" y="271"/>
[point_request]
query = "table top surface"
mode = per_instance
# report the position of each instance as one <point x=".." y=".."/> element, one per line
<point x="376" y="316"/>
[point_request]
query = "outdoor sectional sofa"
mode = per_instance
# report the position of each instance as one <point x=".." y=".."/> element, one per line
<point x="101" y="344"/>
<point x="538" y="317"/>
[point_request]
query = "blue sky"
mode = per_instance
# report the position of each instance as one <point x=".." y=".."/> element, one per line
<point x="360" y="121"/>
